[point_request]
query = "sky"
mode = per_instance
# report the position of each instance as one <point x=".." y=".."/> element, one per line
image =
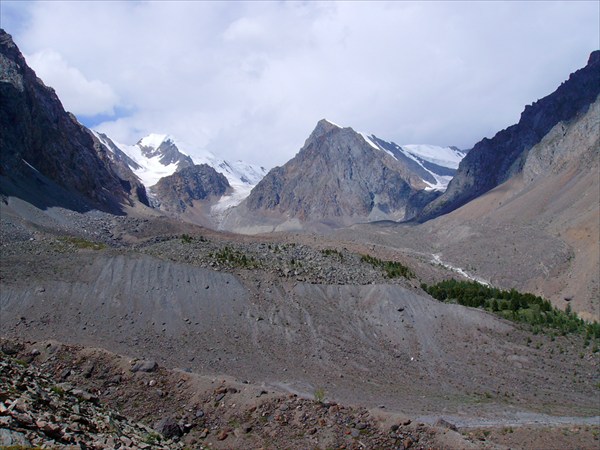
<point x="250" y="80"/>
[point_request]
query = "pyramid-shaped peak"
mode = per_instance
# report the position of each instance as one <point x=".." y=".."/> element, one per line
<point x="324" y="126"/>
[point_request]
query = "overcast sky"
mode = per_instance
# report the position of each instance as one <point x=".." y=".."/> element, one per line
<point x="249" y="80"/>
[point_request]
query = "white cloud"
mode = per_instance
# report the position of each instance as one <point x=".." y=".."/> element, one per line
<point x="250" y="80"/>
<point x="78" y="94"/>
<point x="243" y="29"/>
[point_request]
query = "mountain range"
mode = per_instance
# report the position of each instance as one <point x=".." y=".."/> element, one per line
<point x="363" y="294"/>
<point x="156" y="159"/>
<point x="339" y="178"/>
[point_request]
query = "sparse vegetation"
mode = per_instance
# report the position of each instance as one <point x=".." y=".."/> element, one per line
<point x="82" y="243"/>
<point x="58" y="390"/>
<point x="393" y="269"/>
<point x="332" y="252"/>
<point x="319" y="395"/>
<point x="152" y="438"/>
<point x="513" y="305"/>
<point x="234" y="258"/>
<point x="21" y="362"/>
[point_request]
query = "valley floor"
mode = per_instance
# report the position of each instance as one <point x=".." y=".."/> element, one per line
<point x="301" y="317"/>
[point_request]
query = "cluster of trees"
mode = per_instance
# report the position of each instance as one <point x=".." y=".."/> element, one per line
<point x="234" y="258"/>
<point x="393" y="269"/>
<point x="513" y="305"/>
<point x="332" y="251"/>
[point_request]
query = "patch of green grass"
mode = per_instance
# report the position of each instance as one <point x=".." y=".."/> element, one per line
<point x="319" y="395"/>
<point x="82" y="243"/>
<point x="152" y="438"/>
<point x="58" y="390"/>
<point x="234" y="423"/>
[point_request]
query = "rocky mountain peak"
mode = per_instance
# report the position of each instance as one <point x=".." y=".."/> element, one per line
<point x="323" y="127"/>
<point x="165" y="148"/>
<point x="177" y="192"/>
<point x="338" y="177"/>
<point x="41" y="144"/>
<point x="491" y="162"/>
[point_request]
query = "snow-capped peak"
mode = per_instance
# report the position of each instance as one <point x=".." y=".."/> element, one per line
<point x="154" y="140"/>
<point x="159" y="155"/>
<point x="331" y="123"/>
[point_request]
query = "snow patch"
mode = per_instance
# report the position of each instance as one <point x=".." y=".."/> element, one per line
<point x="442" y="156"/>
<point x="151" y="169"/>
<point x="369" y="141"/>
<point x="31" y="167"/>
<point x="153" y="140"/>
<point x="437" y="260"/>
<point x="332" y="123"/>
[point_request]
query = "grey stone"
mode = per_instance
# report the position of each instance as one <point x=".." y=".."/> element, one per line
<point x="144" y="366"/>
<point x="443" y="423"/>
<point x="168" y="427"/>
<point x="13" y="438"/>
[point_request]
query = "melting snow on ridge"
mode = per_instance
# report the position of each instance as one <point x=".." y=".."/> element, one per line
<point x="441" y="156"/>
<point x="441" y="181"/>
<point x="370" y="142"/>
<point x="240" y="192"/>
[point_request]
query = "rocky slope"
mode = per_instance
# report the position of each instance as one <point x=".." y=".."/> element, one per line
<point x="56" y="395"/>
<point x="291" y="316"/>
<point x="41" y="143"/>
<point x="179" y="191"/>
<point x="494" y="161"/>
<point x="553" y="201"/>
<point x="339" y="177"/>
<point x="433" y="164"/>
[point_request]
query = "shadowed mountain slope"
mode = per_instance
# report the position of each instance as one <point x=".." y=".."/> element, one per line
<point x="493" y="161"/>
<point x="40" y="141"/>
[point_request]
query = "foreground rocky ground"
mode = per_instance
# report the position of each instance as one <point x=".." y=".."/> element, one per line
<point x="57" y="395"/>
<point x="54" y="395"/>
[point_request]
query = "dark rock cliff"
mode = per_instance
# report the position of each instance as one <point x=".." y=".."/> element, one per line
<point x="493" y="161"/>
<point x="38" y="136"/>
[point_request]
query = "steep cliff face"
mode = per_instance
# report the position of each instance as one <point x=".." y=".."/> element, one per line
<point x="341" y="178"/>
<point x="493" y="161"/>
<point x="178" y="192"/>
<point x="37" y="134"/>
